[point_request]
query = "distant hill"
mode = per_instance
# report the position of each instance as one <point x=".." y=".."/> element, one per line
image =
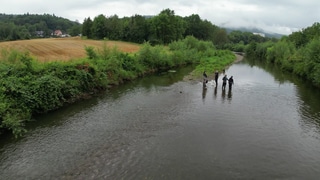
<point x="255" y="30"/>
<point x="30" y="26"/>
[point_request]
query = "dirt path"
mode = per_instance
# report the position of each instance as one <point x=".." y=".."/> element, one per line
<point x="238" y="57"/>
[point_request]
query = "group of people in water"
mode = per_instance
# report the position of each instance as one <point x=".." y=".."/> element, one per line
<point x="225" y="79"/>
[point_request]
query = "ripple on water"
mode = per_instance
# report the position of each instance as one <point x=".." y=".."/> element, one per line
<point x="264" y="129"/>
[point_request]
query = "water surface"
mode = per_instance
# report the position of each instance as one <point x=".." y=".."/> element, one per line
<point x="164" y="127"/>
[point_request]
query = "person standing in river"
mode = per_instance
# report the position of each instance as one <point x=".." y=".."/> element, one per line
<point x="224" y="82"/>
<point x="230" y="82"/>
<point x="216" y="76"/>
<point x="205" y="78"/>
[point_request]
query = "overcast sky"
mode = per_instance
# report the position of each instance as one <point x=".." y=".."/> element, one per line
<point x="278" y="16"/>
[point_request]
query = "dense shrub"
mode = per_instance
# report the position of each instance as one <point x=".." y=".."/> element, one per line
<point x="218" y="62"/>
<point x="312" y="59"/>
<point x="153" y="57"/>
<point x="292" y="55"/>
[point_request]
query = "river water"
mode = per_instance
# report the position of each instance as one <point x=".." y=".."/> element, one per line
<point x="167" y="127"/>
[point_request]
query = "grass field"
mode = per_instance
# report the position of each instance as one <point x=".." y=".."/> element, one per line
<point x="63" y="49"/>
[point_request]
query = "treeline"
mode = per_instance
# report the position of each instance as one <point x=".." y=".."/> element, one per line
<point x="165" y="28"/>
<point x="28" y="87"/>
<point x="298" y="53"/>
<point x="30" y="26"/>
<point x="238" y="41"/>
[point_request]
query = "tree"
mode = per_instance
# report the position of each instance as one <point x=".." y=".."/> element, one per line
<point x="99" y="27"/>
<point x="220" y="37"/>
<point x="193" y="26"/>
<point x="74" y="30"/>
<point x="312" y="59"/>
<point x="4" y="31"/>
<point x="136" y="29"/>
<point x="301" y="38"/>
<point x="87" y="27"/>
<point x="166" y="27"/>
<point x="114" y="28"/>
<point x="24" y="33"/>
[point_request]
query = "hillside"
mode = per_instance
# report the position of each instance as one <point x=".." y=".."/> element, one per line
<point x="63" y="49"/>
<point x="255" y="30"/>
<point x="30" y="26"/>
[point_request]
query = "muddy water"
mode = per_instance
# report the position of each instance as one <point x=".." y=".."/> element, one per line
<point x="161" y="127"/>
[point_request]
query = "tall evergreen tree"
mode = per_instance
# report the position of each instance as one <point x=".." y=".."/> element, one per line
<point x="99" y="27"/>
<point x="87" y="27"/>
<point x="136" y="28"/>
<point x="167" y="27"/>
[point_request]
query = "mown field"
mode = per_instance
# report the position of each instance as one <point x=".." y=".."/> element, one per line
<point x="63" y="49"/>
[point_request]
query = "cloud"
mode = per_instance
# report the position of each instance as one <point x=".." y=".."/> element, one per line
<point x="281" y="16"/>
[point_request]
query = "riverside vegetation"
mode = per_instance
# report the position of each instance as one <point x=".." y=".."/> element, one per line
<point x="299" y="53"/>
<point x="30" y="87"/>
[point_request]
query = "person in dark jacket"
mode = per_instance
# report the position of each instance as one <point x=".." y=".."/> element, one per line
<point x="205" y="78"/>
<point x="216" y="76"/>
<point x="230" y="82"/>
<point x="224" y="82"/>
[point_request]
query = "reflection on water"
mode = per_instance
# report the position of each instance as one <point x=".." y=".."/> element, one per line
<point x="307" y="94"/>
<point x="229" y="94"/>
<point x="158" y="127"/>
<point x="215" y="92"/>
<point x="223" y="94"/>
<point x="204" y="92"/>
<point x="226" y="94"/>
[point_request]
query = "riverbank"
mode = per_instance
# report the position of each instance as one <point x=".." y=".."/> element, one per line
<point x="239" y="57"/>
<point x="193" y="77"/>
<point x="31" y="87"/>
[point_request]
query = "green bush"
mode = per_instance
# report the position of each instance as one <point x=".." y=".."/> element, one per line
<point x="218" y="62"/>
<point x="152" y="58"/>
<point x="303" y="61"/>
<point x="91" y="54"/>
<point x="312" y="59"/>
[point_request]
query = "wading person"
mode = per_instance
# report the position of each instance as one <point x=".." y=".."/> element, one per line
<point x="205" y="78"/>
<point x="224" y="82"/>
<point x="230" y="82"/>
<point x="216" y="76"/>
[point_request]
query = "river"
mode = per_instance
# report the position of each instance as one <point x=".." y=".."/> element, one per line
<point x="166" y="127"/>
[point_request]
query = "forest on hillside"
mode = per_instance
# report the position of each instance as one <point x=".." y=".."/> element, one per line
<point x="162" y="28"/>
<point x="30" y="26"/>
